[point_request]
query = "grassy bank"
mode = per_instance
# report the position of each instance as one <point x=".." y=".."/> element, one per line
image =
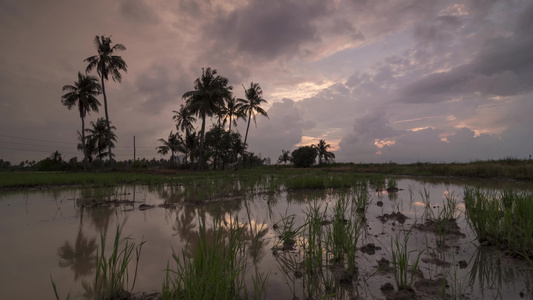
<point x="507" y="168"/>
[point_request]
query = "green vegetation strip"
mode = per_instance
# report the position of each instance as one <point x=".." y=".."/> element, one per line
<point x="326" y="176"/>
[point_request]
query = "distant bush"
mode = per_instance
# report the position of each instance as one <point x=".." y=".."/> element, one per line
<point x="139" y="164"/>
<point x="303" y="157"/>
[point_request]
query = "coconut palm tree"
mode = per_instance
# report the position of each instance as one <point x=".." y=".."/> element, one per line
<point x="252" y="105"/>
<point x="107" y="64"/>
<point x="101" y="137"/>
<point x="184" y="119"/>
<point x="209" y="92"/>
<point x="233" y="111"/>
<point x="322" y="151"/>
<point x="285" y="157"/>
<point x="184" y="122"/>
<point x="173" y="144"/>
<point x="83" y="95"/>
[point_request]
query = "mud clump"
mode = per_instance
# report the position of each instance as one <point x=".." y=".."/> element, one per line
<point x="398" y="216"/>
<point x="449" y="226"/>
<point x="370" y="249"/>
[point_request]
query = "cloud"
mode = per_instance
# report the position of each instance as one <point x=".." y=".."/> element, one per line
<point x="502" y="67"/>
<point x="282" y="131"/>
<point x="269" y="29"/>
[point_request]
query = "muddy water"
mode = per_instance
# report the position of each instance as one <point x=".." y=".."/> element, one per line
<point x="48" y="234"/>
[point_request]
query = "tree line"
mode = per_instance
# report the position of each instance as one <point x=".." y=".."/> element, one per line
<point x="82" y="95"/>
<point x="305" y="156"/>
<point x="211" y="98"/>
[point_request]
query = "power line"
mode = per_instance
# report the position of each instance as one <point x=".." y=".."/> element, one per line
<point x="33" y="139"/>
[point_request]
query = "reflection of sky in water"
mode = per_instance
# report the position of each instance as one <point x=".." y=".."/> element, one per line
<point x="37" y="224"/>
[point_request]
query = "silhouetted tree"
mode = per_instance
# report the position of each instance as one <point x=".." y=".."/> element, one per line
<point x="252" y="105"/>
<point x="172" y="144"/>
<point x="100" y="136"/>
<point x="209" y="92"/>
<point x="83" y="95"/>
<point x="303" y="157"/>
<point x="233" y="111"/>
<point x="322" y="152"/>
<point x="285" y="157"/>
<point x="107" y="64"/>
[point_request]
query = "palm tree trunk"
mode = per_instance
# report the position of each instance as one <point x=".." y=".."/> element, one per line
<point x="247" y="127"/>
<point x="246" y="137"/>
<point x="86" y="162"/>
<point x="107" y="119"/>
<point x="201" y="159"/>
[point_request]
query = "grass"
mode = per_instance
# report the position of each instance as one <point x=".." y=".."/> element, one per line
<point x="216" y="269"/>
<point x="326" y="176"/>
<point x="502" y="218"/>
<point x="111" y="275"/>
<point x="56" y="292"/>
<point x="404" y="274"/>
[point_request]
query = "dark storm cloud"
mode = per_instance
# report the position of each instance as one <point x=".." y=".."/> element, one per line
<point x="160" y="86"/>
<point x="269" y="29"/>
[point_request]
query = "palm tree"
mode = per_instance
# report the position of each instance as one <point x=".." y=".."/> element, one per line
<point x="284" y="157"/>
<point x="106" y="64"/>
<point x="191" y="145"/>
<point x="322" y="151"/>
<point x="233" y="111"/>
<point x="252" y="105"/>
<point x="101" y="137"/>
<point x="91" y="147"/>
<point x="184" y="122"/>
<point x="83" y="95"/>
<point x="209" y="92"/>
<point x="184" y="119"/>
<point x="172" y="144"/>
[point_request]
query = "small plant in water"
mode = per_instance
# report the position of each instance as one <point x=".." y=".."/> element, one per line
<point x="404" y="275"/>
<point x="111" y="273"/>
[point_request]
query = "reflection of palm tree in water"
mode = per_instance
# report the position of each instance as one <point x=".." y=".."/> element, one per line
<point x="187" y="230"/>
<point x="80" y="257"/>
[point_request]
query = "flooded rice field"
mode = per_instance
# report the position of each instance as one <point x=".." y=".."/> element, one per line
<point x="359" y="242"/>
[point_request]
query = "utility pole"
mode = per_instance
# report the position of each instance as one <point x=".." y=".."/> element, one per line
<point x="134" y="157"/>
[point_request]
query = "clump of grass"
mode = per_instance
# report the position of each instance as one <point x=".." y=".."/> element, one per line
<point x="306" y="182"/>
<point x="502" y="219"/>
<point x="392" y="184"/>
<point x="404" y="274"/>
<point x="361" y="200"/>
<point x="216" y="269"/>
<point x="287" y="233"/>
<point x="111" y="275"/>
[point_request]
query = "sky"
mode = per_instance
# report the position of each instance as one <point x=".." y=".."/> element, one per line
<point x="401" y="80"/>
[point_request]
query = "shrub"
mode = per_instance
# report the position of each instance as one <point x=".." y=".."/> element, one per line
<point x="303" y="157"/>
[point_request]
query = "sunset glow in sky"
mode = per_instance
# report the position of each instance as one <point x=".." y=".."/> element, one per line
<point x="398" y="80"/>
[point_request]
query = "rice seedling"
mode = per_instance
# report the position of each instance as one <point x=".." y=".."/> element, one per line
<point x="457" y="285"/>
<point x="260" y="283"/>
<point x="306" y="182"/>
<point x="56" y="292"/>
<point x="216" y="269"/>
<point x="287" y="233"/>
<point x="502" y="219"/>
<point x="404" y="274"/>
<point x="392" y="184"/>
<point x="313" y="245"/>
<point x="361" y="200"/>
<point x="111" y="273"/>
